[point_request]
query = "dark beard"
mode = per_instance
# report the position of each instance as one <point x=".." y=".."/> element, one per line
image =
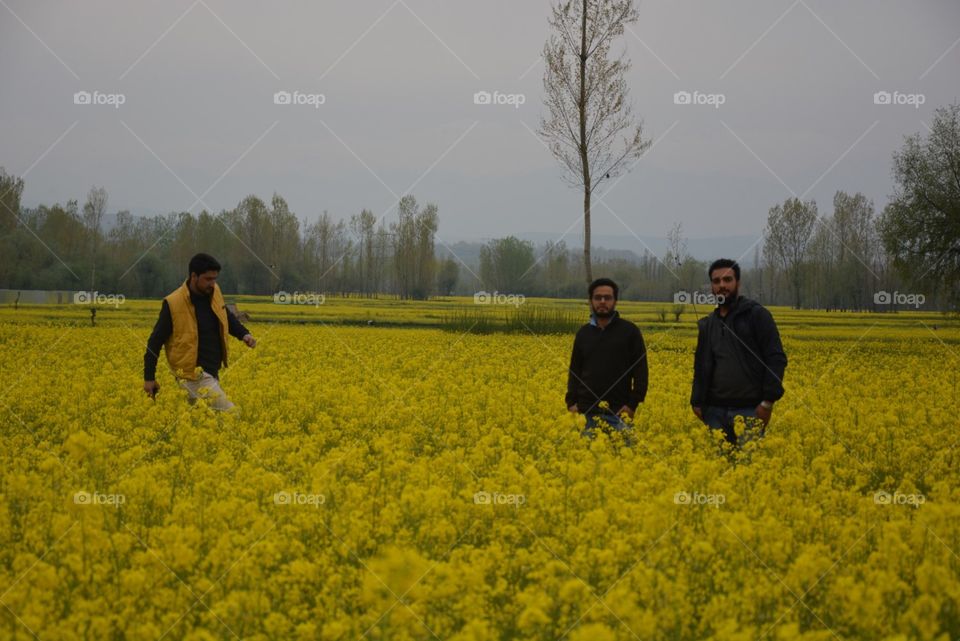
<point x="730" y="299"/>
<point x="603" y="314"/>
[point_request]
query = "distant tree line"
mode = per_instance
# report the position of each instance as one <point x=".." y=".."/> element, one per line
<point x="264" y="248"/>
<point x="849" y="259"/>
<point x="854" y="259"/>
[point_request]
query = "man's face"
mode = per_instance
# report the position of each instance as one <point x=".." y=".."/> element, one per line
<point x="203" y="283"/>
<point x="602" y="301"/>
<point x="724" y="283"/>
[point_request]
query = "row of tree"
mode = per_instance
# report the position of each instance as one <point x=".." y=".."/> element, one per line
<point x="838" y="261"/>
<point x="829" y="262"/>
<point x="842" y="260"/>
<point x="848" y="259"/>
<point x="264" y="248"/>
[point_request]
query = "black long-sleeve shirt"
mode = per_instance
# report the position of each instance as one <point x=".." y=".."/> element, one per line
<point x="209" y="350"/>
<point x="608" y="364"/>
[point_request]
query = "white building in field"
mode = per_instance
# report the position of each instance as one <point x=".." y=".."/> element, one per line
<point x="35" y="297"/>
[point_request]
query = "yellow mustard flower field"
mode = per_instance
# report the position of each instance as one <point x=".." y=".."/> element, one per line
<point x="414" y="483"/>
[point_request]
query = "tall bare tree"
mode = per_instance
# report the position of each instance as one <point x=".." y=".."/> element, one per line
<point x="93" y="211"/>
<point x="428" y="221"/>
<point x="855" y="235"/>
<point x="363" y="227"/>
<point x="404" y="235"/>
<point x="679" y="263"/>
<point x="590" y="129"/>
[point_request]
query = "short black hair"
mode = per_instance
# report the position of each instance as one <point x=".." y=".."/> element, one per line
<point x="722" y="263"/>
<point x="604" y="282"/>
<point x="203" y="263"/>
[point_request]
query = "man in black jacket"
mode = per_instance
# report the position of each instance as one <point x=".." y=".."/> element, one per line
<point x="608" y="367"/>
<point x="739" y="362"/>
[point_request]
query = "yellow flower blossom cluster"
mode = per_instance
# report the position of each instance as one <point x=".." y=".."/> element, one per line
<point x="419" y="484"/>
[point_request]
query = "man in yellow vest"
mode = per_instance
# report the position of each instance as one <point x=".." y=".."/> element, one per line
<point x="192" y="329"/>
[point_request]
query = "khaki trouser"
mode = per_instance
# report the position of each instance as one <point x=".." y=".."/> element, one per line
<point x="208" y="388"/>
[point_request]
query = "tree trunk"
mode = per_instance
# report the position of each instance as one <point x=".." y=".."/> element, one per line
<point x="796" y="287"/>
<point x="584" y="157"/>
<point x="586" y="235"/>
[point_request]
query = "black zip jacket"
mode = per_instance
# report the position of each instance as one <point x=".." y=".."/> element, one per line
<point x="757" y="345"/>
<point x="607" y="365"/>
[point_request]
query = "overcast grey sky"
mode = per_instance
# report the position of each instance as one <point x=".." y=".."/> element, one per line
<point x="398" y="78"/>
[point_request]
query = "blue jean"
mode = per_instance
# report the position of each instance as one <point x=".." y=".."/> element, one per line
<point x="607" y="423"/>
<point x="719" y="417"/>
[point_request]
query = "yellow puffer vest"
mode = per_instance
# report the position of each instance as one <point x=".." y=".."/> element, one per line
<point x="181" y="347"/>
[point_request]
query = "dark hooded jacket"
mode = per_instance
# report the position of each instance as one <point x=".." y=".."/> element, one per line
<point x="757" y="347"/>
